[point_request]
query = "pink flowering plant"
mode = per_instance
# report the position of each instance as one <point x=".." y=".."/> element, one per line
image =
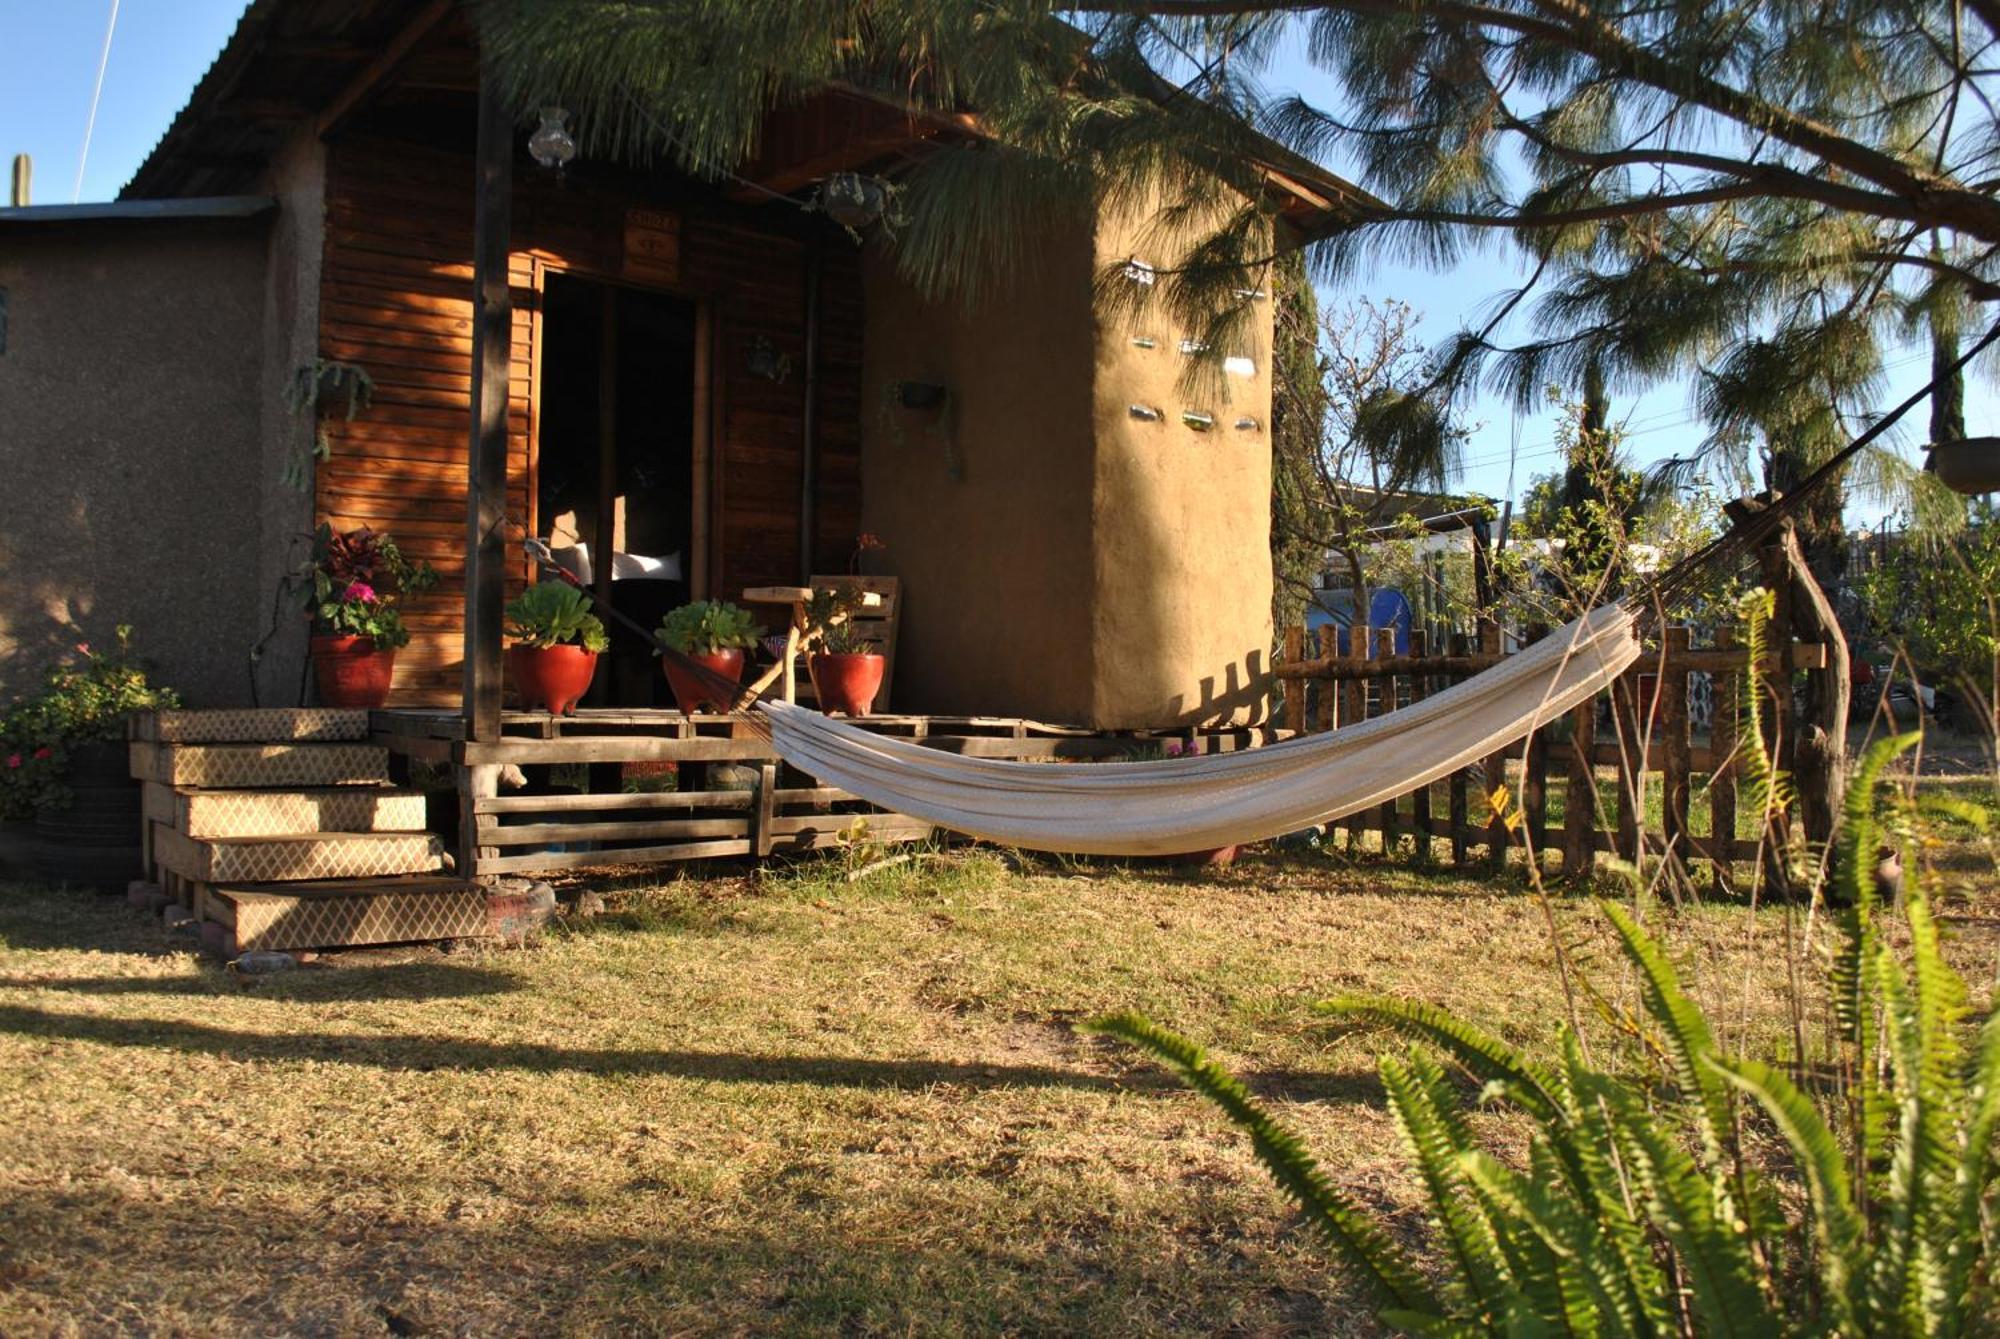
<point x="85" y="699"/>
<point x="354" y="581"/>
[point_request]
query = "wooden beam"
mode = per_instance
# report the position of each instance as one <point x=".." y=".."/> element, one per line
<point x="486" y="491"/>
<point x="369" y="83"/>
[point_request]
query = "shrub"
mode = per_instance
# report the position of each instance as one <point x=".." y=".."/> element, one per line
<point x="83" y="700"/>
<point x="555" y="613"/>
<point x="355" y="579"/>
<point x="830" y="626"/>
<point x="1637" y="1211"/>
<point x="708" y="626"/>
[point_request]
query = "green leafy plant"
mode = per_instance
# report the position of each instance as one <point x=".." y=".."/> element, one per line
<point x="84" y="700"/>
<point x="706" y="627"/>
<point x="318" y="389"/>
<point x="830" y="627"/>
<point x="354" y="580"/>
<point x="555" y="613"/>
<point x="1637" y="1209"/>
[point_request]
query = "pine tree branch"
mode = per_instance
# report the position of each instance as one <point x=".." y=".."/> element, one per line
<point x="1921" y="195"/>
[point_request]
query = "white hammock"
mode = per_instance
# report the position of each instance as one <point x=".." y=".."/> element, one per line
<point x="1198" y="804"/>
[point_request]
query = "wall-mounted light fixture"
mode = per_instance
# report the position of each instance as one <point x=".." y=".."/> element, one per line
<point x="552" y="145"/>
<point x="853" y="200"/>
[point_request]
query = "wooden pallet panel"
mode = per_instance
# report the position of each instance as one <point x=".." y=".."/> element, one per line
<point x="211" y="814"/>
<point x="253" y="725"/>
<point x="260" y="766"/>
<point x="351" y="916"/>
<point x="327" y="855"/>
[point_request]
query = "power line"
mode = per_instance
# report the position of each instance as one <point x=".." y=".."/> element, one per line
<point x="96" y="93"/>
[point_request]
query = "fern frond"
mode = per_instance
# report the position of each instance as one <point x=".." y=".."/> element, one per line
<point x="1970" y="1293"/>
<point x="1380" y="1261"/>
<point x="1485" y="1056"/>
<point x="1683" y="1028"/>
<point x="1838" y="1230"/>
<point x="1765" y="788"/>
<point x="1593" y="1299"/>
<point x="1422" y="1106"/>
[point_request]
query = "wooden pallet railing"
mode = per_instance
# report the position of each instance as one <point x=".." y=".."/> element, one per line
<point x="1638" y="728"/>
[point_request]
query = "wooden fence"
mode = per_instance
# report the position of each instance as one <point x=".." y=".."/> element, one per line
<point x="1639" y="727"/>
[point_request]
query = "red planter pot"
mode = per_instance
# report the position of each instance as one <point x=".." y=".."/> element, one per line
<point x="552" y="677"/>
<point x="846" y="683"/>
<point x="690" y="691"/>
<point x="352" y="671"/>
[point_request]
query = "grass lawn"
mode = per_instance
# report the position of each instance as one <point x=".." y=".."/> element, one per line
<point x="779" y="1104"/>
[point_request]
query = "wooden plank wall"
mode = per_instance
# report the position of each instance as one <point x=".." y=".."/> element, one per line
<point x="396" y="298"/>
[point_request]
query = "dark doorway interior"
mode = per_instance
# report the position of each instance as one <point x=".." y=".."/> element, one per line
<point x="616" y="462"/>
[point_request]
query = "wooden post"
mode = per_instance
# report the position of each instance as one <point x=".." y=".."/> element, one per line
<point x="1625" y="715"/>
<point x="1580" y="803"/>
<point x="1385" y="647"/>
<point x="1353" y="710"/>
<point x="1328" y="707"/>
<point x="1495" y="767"/>
<point x="766" y="810"/>
<point x="1673" y="724"/>
<point x="1295" y="689"/>
<point x="486" y="480"/>
<point x="1420" y="799"/>
<point x="1535" y="778"/>
<point x="1456" y="808"/>
<point x="476" y="783"/>
<point x="1722" y="780"/>
<point x="605" y="537"/>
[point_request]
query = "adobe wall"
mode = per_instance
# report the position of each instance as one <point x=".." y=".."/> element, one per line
<point x="130" y="440"/>
<point x="1181" y="614"/>
<point x="996" y="562"/>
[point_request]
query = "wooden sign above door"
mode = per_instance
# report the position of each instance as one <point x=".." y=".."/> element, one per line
<point x="652" y="246"/>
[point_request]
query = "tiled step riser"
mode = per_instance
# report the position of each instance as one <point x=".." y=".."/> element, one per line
<point x="260" y="766"/>
<point x="253" y="725"/>
<point x="322" y="856"/>
<point x="330" y="916"/>
<point x="284" y="813"/>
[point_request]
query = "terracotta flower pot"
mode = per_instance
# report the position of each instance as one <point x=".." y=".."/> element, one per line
<point x="551" y="677"/>
<point x="846" y="683"/>
<point x="690" y="691"/>
<point x="352" y="671"/>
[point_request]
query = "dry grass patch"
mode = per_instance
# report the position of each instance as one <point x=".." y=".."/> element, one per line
<point x="779" y="1104"/>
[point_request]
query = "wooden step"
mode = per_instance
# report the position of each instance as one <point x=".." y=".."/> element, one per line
<point x="260" y="766"/>
<point x="253" y="725"/>
<point x="347" y="914"/>
<point x="316" y="855"/>
<point x="284" y="813"/>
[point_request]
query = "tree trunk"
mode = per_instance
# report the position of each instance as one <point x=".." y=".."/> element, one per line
<point x="1819" y="756"/>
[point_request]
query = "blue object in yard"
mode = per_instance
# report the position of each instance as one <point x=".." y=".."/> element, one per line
<point x="1391" y="609"/>
<point x="1386" y="609"/>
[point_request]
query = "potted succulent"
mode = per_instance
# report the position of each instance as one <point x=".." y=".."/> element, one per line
<point x="556" y="642"/>
<point x="714" y="634"/>
<point x="846" y="668"/>
<point x="65" y="762"/>
<point x="353" y="583"/>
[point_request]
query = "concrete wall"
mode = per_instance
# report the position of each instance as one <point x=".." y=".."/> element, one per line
<point x="995" y="563"/>
<point x="1087" y="567"/>
<point x="130" y="415"/>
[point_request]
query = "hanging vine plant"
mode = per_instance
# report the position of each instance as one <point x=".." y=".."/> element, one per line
<point x="319" y="390"/>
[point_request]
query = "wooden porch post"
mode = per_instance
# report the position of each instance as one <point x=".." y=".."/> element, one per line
<point x="486" y="491"/>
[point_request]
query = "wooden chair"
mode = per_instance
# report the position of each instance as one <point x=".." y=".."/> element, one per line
<point x="877" y="622"/>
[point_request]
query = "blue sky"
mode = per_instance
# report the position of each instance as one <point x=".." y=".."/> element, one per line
<point x="161" y="48"/>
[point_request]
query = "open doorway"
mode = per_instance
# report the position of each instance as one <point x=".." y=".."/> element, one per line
<point x="615" y="443"/>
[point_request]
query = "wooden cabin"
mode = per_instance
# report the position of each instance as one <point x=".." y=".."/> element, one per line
<point x="701" y="375"/>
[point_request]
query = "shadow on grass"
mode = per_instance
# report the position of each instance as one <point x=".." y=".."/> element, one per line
<point x="416" y="1053"/>
<point x="311" y="983"/>
<point x="39" y="916"/>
